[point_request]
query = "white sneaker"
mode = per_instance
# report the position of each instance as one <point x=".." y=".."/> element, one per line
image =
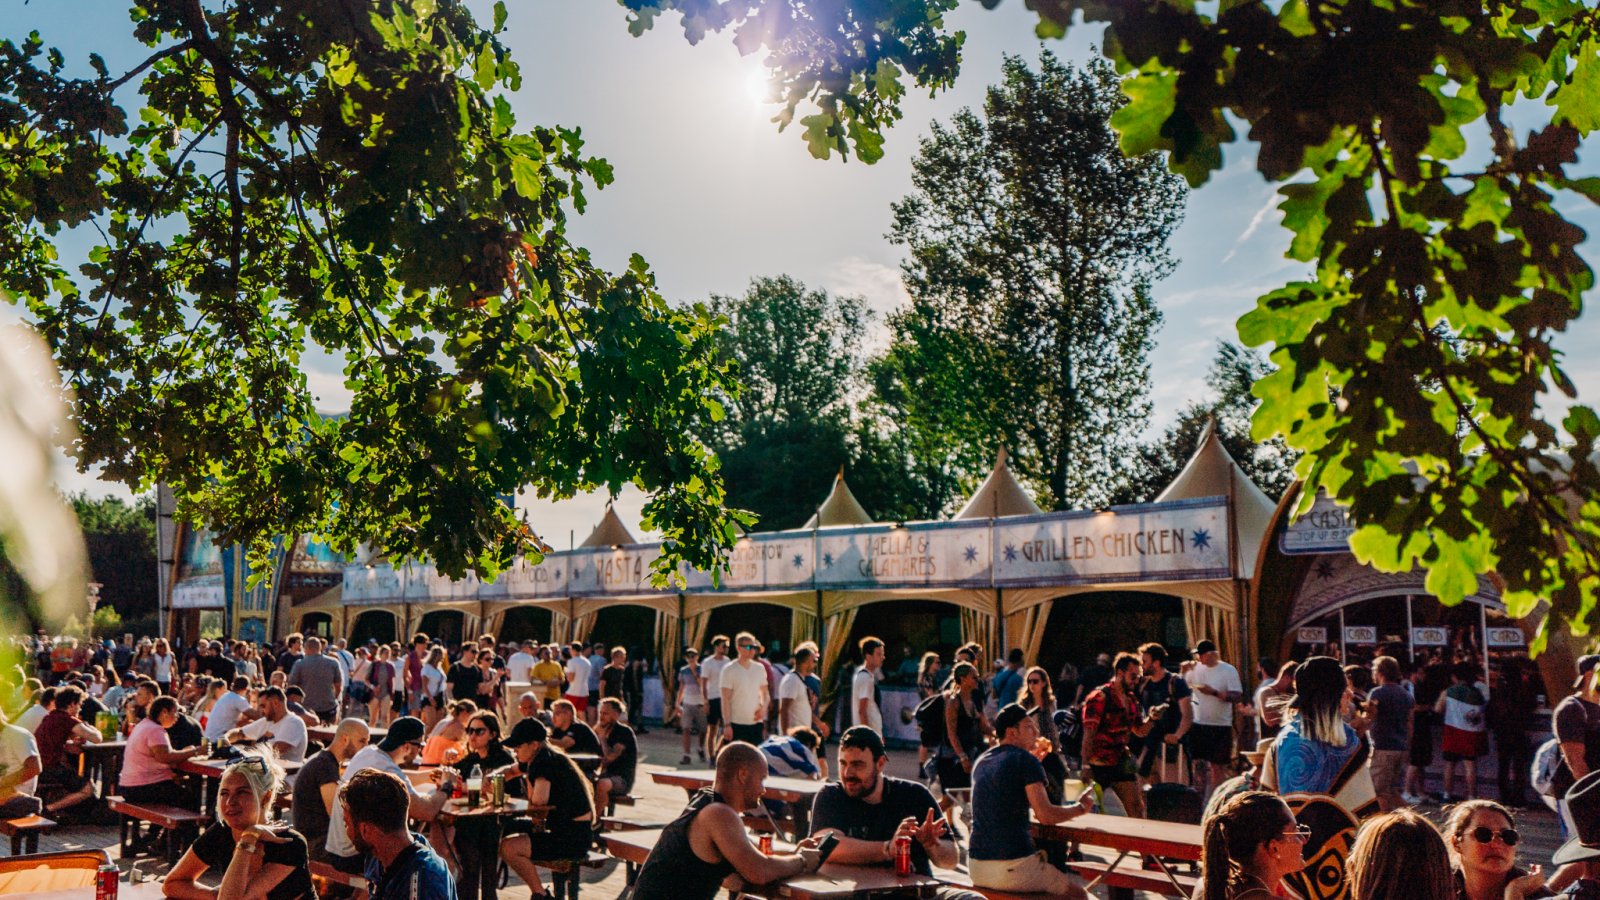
<point x="1411" y="799"/>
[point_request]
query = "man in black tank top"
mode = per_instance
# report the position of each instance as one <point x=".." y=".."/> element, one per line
<point x="707" y="842"/>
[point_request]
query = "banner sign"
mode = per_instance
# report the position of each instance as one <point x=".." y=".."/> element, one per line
<point x="623" y="570"/>
<point x="1431" y="636"/>
<point x="1311" y="635"/>
<point x="1325" y="528"/>
<point x="764" y="562"/>
<point x="201" y="592"/>
<point x="1178" y="541"/>
<point x="372" y="584"/>
<point x="932" y="554"/>
<point x="1505" y="638"/>
<point x="1360" y="634"/>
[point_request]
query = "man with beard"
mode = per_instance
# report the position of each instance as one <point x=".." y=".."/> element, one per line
<point x="399" y="865"/>
<point x="707" y="842"/>
<point x="868" y="810"/>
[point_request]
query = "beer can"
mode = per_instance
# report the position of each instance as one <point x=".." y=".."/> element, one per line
<point x="766" y="844"/>
<point x="499" y="790"/>
<point x="105" y="883"/>
<point x="902" y="855"/>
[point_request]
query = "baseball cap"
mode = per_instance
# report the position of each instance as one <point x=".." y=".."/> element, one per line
<point x="1204" y="647"/>
<point x="1586" y="664"/>
<point x="1008" y="717"/>
<point x="405" y="730"/>
<point x="526" y="731"/>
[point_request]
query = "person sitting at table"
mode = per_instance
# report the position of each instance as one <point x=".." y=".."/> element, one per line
<point x="148" y="761"/>
<point x="398" y="748"/>
<point x="869" y="810"/>
<point x="295" y="699"/>
<point x="19" y="772"/>
<point x="620" y="756"/>
<point x="1248" y="847"/>
<point x="285" y="731"/>
<point x="371" y="817"/>
<point x="1399" y="854"/>
<point x="528" y="706"/>
<point x="571" y="733"/>
<point x="477" y="838"/>
<point x="797" y="754"/>
<point x="448" y="740"/>
<point x="546" y="777"/>
<point x="316" y="786"/>
<point x="59" y="736"/>
<point x="225" y="713"/>
<point x="1482" y="839"/>
<point x="44" y="700"/>
<point x="258" y="861"/>
<point x="185" y="732"/>
<point x="121" y="691"/>
<point x="1008" y="781"/>
<point x="707" y="842"/>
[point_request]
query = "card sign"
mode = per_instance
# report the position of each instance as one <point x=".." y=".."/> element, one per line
<point x="1311" y="635"/>
<point x="1360" y="634"/>
<point x="1431" y="636"/>
<point x="1505" y="637"/>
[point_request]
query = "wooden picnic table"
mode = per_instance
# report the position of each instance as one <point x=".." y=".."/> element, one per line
<point x="104" y="757"/>
<point x="210" y="772"/>
<point x="798" y="793"/>
<point x="147" y="890"/>
<point x="833" y="881"/>
<point x="588" y="762"/>
<point x="1140" y="838"/>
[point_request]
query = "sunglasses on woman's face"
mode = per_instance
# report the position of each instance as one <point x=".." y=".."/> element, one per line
<point x="1508" y="836"/>
<point x="479" y="730"/>
<point x="1034" y="681"/>
<point x="1301" y="833"/>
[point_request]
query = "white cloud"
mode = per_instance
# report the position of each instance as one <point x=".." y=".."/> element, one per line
<point x="1269" y="207"/>
<point x="879" y="284"/>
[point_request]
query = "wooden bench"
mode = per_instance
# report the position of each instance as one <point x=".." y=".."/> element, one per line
<point x="616" y="800"/>
<point x="329" y="875"/>
<point x="178" y="824"/>
<point x="567" y="874"/>
<point x="611" y="823"/>
<point x="1130" y="876"/>
<point x="26" y="830"/>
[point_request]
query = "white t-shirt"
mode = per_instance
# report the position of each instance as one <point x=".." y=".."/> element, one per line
<point x="1209" y="710"/>
<point x="711" y="676"/>
<point x="793" y="689"/>
<point x="519" y="665"/>
<point x="163" y="666"/>
<point x="290" y="729"/>
<point x="16" y="745"/>
<point x="224" y="715"/>
<point x="863" y="687"/>
<point x="432" y="680"/>
<point x="577" y="677"/>
<point x="368" y="757"/>
<point x="31" y="717"/>
<point x="745" y="684"/>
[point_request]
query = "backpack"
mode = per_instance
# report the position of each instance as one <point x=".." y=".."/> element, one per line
<point x="929" y="716"/>
<point x="1069" y="728"/>
<point x="1546" y="762"/>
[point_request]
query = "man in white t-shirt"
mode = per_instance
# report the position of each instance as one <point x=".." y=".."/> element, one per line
<point x="398" y="748"/>
<point x="224" y="714"/>
<point x="1216" y="688"/>
<point x="33" y="715"/>
<point x="578" y="679"/>
<point x="794" y="698"/>
<point x="19" y="772"/>
<point x="864" y="687"/>
<point x="520" y="665"/>
<point x="745" y="694"/>
<point x="285" y="731"/>
<point x="711" y="683"/>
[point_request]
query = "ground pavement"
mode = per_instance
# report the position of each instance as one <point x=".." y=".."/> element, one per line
<point x="660" y="749"/>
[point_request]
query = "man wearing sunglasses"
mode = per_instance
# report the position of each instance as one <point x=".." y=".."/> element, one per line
<point x="745" y="694"/>
<point x="398" y="748"/>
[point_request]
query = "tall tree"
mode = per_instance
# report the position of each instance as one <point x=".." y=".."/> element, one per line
<point x="121" y="540"/>
<point x="278" y="178"/>
<point x="1229" y="405"/>
<point x="1414" y="368"/>
<point x="797" y="353"/>
<point x="1033" y="243"/>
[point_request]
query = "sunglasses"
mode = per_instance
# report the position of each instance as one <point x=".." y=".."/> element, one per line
<point x="1034" y="681"/>
<point x="748" y="647"/>
<point x="477" y="731"/>
<point x="1508" y="836"/>
<point x="1301" y="832"/>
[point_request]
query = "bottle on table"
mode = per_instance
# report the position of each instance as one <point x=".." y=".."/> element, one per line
<point x="474" y="786"/>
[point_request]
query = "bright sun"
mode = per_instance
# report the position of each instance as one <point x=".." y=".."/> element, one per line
<point x="756" y="86"/>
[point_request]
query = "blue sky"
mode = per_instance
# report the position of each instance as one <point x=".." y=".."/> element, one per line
<point x="712" y="195"/>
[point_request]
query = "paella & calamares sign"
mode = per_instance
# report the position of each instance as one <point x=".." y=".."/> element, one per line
<point x="927" y="554"/>
<point x="1176" y="541"/>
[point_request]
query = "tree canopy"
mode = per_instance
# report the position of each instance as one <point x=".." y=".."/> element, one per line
<point x="1414" y="362"/>
<point x="281" y="177"/>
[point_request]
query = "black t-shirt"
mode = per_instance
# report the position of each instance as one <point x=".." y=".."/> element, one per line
<point x="569" y="788"/>
<point x="185" y="733"/>
<point x="1576" y="719"/>
<point x="215" y="849"/>
<point x="310" y="816"/>
<point x="1093" y="676"/>
<point x="1168" y="690"/>
<point x="611" y="679"/>
<point x="583" y="737"/>
<point x="464" y="681"/>
<point x="902" y="799"/>
<point x="624" y="765"/>
<point x="287" y="659"/>
<point x="90" y="708"/>
<point x="497" y="758"/>
<point x="218" y="667"/>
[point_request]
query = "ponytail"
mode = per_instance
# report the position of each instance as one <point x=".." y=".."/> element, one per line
<point x="1232" y="836"/>
<point x="1215" y="867"/>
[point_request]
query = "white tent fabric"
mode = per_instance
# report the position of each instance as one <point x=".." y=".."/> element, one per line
<point x="841" y="507"/>
<point x="610" y="532"/>
<point x="999" y="495"/>
<point x="1211" y="472"/>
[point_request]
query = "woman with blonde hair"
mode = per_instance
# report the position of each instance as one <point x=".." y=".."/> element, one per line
<point x="258" y="862"/>
<point x="1482" y="838"/>
<point x="448" y="740"/>
<point x="1248" y="847"/>
<point x="1399" y="856"/>
<point x="163" y="666"/>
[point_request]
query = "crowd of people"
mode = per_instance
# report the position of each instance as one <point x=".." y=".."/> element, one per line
<point x="1136" y="732"/>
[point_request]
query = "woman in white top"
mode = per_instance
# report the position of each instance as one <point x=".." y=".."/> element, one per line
<point x="432" y="688"/>
<point x="245" y="662"/>
<point x="162" y="664"/>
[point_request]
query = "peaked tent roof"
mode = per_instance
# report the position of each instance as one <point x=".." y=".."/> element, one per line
<point x="1212" y="472"/>
<point x="610" y="532"/>
<point x="999" y="495"/>
<point x="841" y="508"/>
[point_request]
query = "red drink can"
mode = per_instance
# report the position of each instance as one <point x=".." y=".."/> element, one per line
<point x="105" y="883"/>
<point x="902" y="855"/>
<point x="765" y="842"/>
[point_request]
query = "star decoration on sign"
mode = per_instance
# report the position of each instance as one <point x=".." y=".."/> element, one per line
<point x="1010" y="553"/>
<point x="1324" y="569"/>
<point x="971" y="555"/>
<point x="1201" y="538"/>
<point x="558" y="574"/>
<point x="799" y="560"/>
<point x="827" y="560"/>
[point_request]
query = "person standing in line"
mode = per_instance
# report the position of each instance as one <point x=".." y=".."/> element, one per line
<point x="744" y="694"/>
<point x="691" y="704"/>
<point x="417" y="698"/>
<point x="865" y="700"/>
<point x="1464" y="738"/>
<point x="794" y="698"/>
<point x="1111" y="724"/>
<point x="519" y="668"/>
<point x="1166" y="690"/>
<point x="1389" y="706"/>
<point x="1576" y="722"/>
<point x="1093" y="675"/>
<point x="711" y="684"/>
<point x="1270" y="699"/>
<point x="547" y="676"/>
<point x="597" y="665"/>
<point x="1510" y="715"/>
<point x="1217" y="688"/>
<point x="1008" y="681"/>
<point x="577" y="673"/>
